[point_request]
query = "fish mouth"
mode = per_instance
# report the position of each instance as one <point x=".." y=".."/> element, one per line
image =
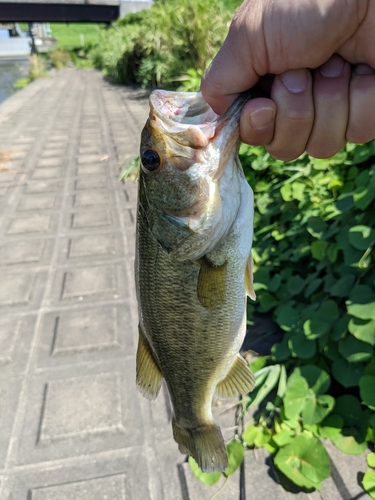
<point x="182" y="108"/>
<point x="183" y="116"/>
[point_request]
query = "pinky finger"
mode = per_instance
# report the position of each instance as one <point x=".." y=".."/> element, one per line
<point x="361" y="123"/>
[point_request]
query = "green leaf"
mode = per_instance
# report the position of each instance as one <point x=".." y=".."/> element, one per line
<point x="295" y="284"/>
<point x="302" y="347"/>
<point x="352" y="256"/>
<point x="249" y="435"/>
<point x="267" y="301"/>
<point x="274" y="282"/>
<point x="340" y="328"/>
<point x="368" y="482"/>
<point x="283" y="437"/>
<point x="315" y="328"/>
<point x="304" y="461"/>
<point x="273" y="373"/>
<point x="363" y="330"/>
<point x="347" y="374"/>
<point x="286" y="192"/>
<point x="287" y="318"/>
<point x="263" y="437"/>
<point x="282" y="382"/>
<point x="345" y="202"/>
<point x="295" y="394"/>
<point x="316" y="226"/>
<point x="361" y="303"/>
<point x="367" y="390"/>
<point x="371" y="460"/>
<point x="363" y="196"/>
<point x="348" y="444"/>
<point x="298" y="189"/>
<point x="343" y="286"/>
<point x="370" y="367"/>
<point x="361" y="153"/>
<point x="329" y="311"/>
<point x="312" y="287"/>
<point x="207" y="478"/>
<point x="258" y="363"/>
<point x="354" y="350"/>
<point x="332" y="252"/>
<point x="235" y="452"/>
<point x="281" y="350"/>
<point x="318" y="249"/>
<point x="349" y="408"/>
<point x="361" y="237"/>
<point x="316" y="408"/>
<point x="331" y="426"/>
<point x="317" y="379"/>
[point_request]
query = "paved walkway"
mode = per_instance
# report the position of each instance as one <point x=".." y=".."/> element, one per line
<point x="72" y="424"/>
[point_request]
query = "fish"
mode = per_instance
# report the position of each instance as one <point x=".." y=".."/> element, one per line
<point x="193" y="266"/>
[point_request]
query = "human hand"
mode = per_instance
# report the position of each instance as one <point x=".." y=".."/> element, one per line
<point x="271" y="43"/>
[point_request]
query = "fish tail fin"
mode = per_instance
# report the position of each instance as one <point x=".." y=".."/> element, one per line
<point x="149" y="377"/>
<point x="205" y="444"/>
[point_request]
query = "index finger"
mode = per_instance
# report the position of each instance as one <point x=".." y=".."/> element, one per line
<point x="228" y="75"/>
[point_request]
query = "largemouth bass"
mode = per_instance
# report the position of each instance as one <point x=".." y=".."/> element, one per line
<point x="193" y="266"/>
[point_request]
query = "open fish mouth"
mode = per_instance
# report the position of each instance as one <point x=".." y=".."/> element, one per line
<point x="184" y="115"/>
<point x="183" y="108"/>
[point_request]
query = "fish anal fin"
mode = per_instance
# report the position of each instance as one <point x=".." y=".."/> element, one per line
<point x="249" y="286"/>
<point x="204" y="443"/>
<point x="211" y="283"/>
<point x="149" y="376"/>
<point x="240" y="380"/>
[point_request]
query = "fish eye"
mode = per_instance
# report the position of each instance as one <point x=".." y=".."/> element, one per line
<point x="150" y="160"/>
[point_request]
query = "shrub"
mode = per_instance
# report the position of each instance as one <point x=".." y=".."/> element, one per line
<point x="37" y="67"/>
<point x="59" y="58"/>
<point x="155" y="46"/>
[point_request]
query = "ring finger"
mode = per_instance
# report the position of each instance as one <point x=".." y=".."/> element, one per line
<point x="331" y="105"/>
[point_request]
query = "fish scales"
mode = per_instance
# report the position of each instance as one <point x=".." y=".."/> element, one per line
<point x="193" y="263"/>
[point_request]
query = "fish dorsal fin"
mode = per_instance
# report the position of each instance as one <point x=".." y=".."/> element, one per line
<point x="149" y="377"/>
<point x="240" y="380"/>
<point x="249" y="286"/>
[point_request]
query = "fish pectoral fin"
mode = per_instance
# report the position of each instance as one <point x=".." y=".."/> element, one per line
<point x="204" y="443"/>
<point x="249" y="286"/>
<point x="211" y="283"/>
<point x="149" y="376"/>
<point x="240" y="380"/>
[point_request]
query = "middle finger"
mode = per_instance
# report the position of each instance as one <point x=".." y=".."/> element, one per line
<point x="292" y="94"/>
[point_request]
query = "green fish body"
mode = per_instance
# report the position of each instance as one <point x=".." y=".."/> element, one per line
<point x="193" y="266"/>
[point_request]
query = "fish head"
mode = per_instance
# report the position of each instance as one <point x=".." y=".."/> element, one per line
<point x="185" y="149"/>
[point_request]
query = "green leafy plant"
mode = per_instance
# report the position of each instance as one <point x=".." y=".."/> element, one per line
<point x="155" y="47"/>
<point x="368" y="481"/>
<point x="59" y="58"/>
<point x="314" y="237"/>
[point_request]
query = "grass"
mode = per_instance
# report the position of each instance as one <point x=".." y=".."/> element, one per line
<point x="68" y="34"/>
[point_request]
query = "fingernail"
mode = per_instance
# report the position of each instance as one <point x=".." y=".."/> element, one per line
<point x="363" y="69"/>
<point x="333" y="67"/>
<point x="295" y="80"/>
<point x="262" y="118"/>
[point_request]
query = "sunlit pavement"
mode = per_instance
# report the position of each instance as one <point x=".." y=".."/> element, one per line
<point x="72" y="423"/>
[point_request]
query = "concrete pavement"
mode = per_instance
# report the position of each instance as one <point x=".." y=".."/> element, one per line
<point x="72" y="423"/>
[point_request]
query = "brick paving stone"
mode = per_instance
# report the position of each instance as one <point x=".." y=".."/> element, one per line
<point x="72" y="423"/>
